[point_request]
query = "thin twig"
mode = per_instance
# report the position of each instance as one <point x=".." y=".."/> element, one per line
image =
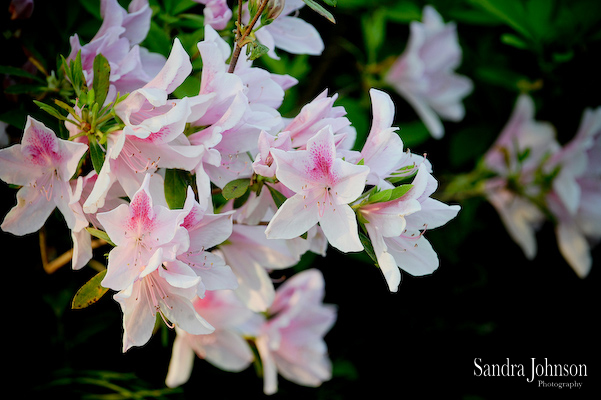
<point x="247" y="30"/>
<point x="52" y="266"/>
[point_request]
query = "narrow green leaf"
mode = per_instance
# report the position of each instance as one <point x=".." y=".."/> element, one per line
<point x="368" y="247"/>
<point x="78" y="79"/>
<point x="102" y="72"/>
<point x="277" y="196"/>
<point x="50" y="110"/>
<point x="176" y="188"/>
<point x="100" y="235"/>
<point x="14" y="71"/>
<point x="236" y="188"/>
<point x="320" y="10"/>
<point x="90" y="292"/>
<point x="513" y="40"/>
<point x="96" y="153"/>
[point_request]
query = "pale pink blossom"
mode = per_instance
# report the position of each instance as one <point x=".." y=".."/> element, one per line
<point x="383" y="148"/>
<point x="252" y="256"/>
<point x="324" y="186"/>
<point x="424" y="74"/>
<point x="207" y="230"/>
<point x="316" y="115"/>
<point x="288" y="32"/>
<point x="291" y="340"/>
<point x="396" y="229"/>
<point x="42" y="164"/>
<point x="153" y="135"/>
<point x="216" y="13"/>
<point x="145" y="235"/>
<point x="517" y="153"/>
<point x="576" y="193"/>
<point x="168" y="293"/>
<point x="225" y="348"/>
<point x="117" y="40"/>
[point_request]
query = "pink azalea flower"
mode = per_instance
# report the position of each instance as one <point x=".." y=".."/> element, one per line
<point x="252" y="256"/>
<point x="291" y="340"/>
<point x="117" y="39"/>
<point x="206" y="231"/>
<point x="521" y="135"/>
<point x="42" y="164"/>
<point x="315" y="116"/>
<point x="288" y="32"/>
<point x="225" y="348"/>
<point x="170" y="296"/>
<point x="145" y="235"/>
<point x="153" y="136"/>
<point x="263" y="164"/>
<point x="383" y="149"/>
<point x="396" y="229"/>
<point x="216" y="12"/>
<point x="424" y="73"/>
<point x="324" y="185"/>
<point x="576" y="192"/>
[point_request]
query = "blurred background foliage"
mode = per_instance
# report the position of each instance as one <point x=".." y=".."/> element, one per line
<point x="485" y="300"/>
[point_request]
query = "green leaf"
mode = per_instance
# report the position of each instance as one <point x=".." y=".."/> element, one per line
<point x="176" y="188"/>
<point x="101" y="83"/>
<point x="513" y="40"/>
<point x="50" y="110"/>
<point x="277" y="196"/>
<point x="96" y="153"/>
<point x="14" y="71"/>
<point x="511" y="13"/>
<point x="368" y="247"/>
<point x="78" y="79"/>
<point x="235" y="188"/>
<point x="90" y="292"/>
<point x="320" y="10"/>
<point x="100" y="235"/>
<point x="389" y="194"/>
<point x="258" y="50"/>
<point x="24" y="88"/>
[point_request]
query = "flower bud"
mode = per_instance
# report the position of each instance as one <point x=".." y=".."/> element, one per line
<point x="274" y="8"/>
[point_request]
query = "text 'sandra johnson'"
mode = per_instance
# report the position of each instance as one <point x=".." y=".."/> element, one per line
<point x="535" y="369"/>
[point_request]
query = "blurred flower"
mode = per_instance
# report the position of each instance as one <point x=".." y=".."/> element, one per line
<point x="20" y="9"/>
<point x="424" y="73"/>
<point x="216" y="12"/>
<point x="515" y="158"/>
<point x="576" y="193"/>
<point x="291" y="340"/>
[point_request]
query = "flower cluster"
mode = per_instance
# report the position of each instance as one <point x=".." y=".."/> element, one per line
<point x="534" y="178"/>
<point x="200" y="197"/>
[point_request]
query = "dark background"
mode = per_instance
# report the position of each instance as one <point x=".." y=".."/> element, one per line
<point x="485" y="301"/>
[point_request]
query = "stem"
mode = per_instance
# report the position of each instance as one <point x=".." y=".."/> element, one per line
<point x="247" y="30"/>
<point x="52" y="266"/>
